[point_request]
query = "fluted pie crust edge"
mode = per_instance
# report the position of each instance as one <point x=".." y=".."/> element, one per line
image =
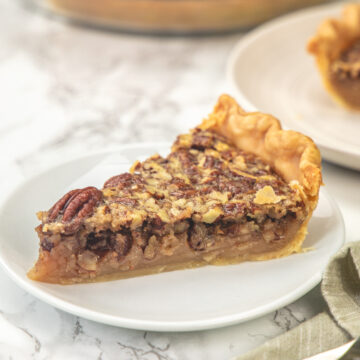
<point x="291" y="154"/>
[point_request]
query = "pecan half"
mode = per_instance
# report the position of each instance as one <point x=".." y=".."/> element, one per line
<point x="202" y="142"/>
<point x="82" y="204"/>
<point x="75" y="206"/>
<point x="123" y="180"/>
<point x="60" y="205"/>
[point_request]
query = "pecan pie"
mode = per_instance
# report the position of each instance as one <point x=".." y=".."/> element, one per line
<point x="236" y="188"/>
<point x="336" y="47"/>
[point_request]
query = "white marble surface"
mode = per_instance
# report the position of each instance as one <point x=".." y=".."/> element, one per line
<point x="65" y="91"/>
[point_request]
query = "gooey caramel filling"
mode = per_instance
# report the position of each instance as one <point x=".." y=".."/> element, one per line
<point x="207" y="202"/>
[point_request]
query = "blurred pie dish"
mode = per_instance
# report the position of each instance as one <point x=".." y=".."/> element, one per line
<point x="174" y="17"/>
<point x="235" y="188"/>
<point x="336" y="47"/>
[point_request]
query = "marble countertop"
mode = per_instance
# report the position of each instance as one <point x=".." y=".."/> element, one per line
<point x="68" y="90"/>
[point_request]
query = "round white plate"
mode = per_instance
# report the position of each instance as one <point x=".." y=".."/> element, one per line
<point x="271" y="71"/>
<point x="202" y="298"/>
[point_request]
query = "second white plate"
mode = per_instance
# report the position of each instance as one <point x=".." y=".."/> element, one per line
<point x="271" y="71"/>
<point x="202" y="298"/>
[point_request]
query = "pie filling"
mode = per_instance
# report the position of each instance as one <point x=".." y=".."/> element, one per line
<point x="207" y="202"/>
<point x="345" y="75"/>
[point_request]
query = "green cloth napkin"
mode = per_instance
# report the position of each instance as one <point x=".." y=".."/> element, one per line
<point x="335" y="326"/>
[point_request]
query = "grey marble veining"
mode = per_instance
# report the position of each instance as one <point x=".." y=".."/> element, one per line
<point x="67" y="91"/>
<point x="31" y="329"/>
<point x="100" y="89"/>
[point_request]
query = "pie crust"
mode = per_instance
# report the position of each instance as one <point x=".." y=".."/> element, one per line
<point x="235" y="188"/>
<point x="291" y="154"/>
<point x="336" y="47"/>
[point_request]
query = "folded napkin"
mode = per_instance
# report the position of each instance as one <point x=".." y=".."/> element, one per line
<point x="335" y="326"/>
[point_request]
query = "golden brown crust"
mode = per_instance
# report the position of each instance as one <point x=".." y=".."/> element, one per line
<point x="293" y="155"/>
<point x="236" y="188"/>
<point x="333" y="37"/>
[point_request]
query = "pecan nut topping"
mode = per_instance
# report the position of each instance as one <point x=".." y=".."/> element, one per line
<point x="61" y="205"/>
<point x="122" y="181"/>
<point x="194" y="207"/>
<point x="75" y="206"/>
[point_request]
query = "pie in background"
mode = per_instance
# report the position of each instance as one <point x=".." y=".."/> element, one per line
<point x="336" y="47"/>
<point x="173" y="17"/>
<point x="235" y="188"/>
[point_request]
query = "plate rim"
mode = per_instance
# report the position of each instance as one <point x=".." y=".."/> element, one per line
<point x="151" y="325"/>
<point x="252" y="37"/>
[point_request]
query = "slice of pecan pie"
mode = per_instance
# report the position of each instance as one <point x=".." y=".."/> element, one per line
<point x="336" y="47"/>
<point x="235" y="188"/>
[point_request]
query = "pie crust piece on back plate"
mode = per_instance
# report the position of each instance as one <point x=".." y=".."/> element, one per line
<point x="336" y="47"/>
<point x="235" y="188"/>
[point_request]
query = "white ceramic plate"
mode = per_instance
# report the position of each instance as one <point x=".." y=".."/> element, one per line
<point x="202" y="298"/>
<point x="271" y="71"/>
